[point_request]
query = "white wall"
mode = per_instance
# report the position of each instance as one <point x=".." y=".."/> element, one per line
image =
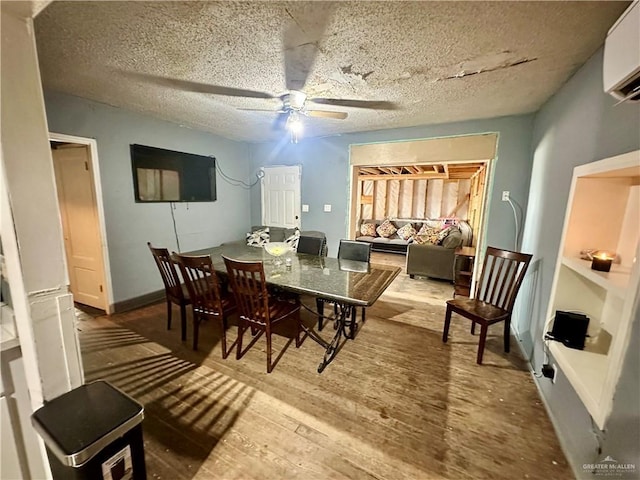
<point x="131" y="225"/>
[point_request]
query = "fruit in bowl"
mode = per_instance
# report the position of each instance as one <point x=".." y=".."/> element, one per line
<point x="277" y="250"/>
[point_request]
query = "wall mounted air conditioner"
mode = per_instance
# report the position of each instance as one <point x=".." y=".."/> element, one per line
<point x="621" y="66"/>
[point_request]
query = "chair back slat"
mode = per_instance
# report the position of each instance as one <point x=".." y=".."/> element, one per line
<point x="502" y="275"/>
<point x="202" y="283"/>
<point x="354" y="250"/>
<point x="168" y="271"/>
<point x="247" y="280"/>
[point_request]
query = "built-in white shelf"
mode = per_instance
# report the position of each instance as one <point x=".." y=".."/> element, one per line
<point x="615" y="281"/>
<point x="587" y="371"/>
<point x="603" y="213"/>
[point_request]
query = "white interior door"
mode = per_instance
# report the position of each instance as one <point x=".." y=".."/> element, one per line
<point x="80" y="224"/>
<point x="281" y="196"/>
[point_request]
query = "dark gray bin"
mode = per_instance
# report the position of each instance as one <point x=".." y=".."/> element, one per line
<point x="93" y="432"/>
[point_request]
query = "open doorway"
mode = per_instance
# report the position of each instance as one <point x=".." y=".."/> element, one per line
<point x="79" y="196"/>
<point x="437" y="178"/>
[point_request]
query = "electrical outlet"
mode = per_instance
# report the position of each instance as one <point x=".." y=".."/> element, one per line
<point x="327" y="207"/>
<point x="305" y="208"/>
<point x="505" y="196"/>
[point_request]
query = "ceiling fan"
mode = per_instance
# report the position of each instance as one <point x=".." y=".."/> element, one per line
<point x="300" y="50"/>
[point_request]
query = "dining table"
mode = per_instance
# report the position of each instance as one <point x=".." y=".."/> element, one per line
<point x="345" y="283"/>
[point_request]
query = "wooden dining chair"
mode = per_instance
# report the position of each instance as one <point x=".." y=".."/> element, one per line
<point x="347" y="250"/>
<point x="496" y="290"/>
<point x="175" y="291"/>
<point x="257" y="309"/>
<point x="208" y="298"/>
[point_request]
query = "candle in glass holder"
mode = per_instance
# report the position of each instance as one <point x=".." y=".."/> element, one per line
<point x="601" y="262"/>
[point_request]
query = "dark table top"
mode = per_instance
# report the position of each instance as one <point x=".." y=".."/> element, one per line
<point x="355" y="283"/>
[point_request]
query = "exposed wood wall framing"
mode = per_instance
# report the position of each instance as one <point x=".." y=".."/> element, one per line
<point x="420" y="191"/>
<point x="423" y="179"/>
<point x="478" y="182"/>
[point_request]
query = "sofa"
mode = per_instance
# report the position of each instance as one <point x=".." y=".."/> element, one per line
<point x="438" y="261"/>
<point x="435" y="260"/>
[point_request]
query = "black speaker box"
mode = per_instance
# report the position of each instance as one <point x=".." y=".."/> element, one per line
<point x="570" y="329"/>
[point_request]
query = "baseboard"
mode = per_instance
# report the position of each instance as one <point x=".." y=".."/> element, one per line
<point x="550" y="413"/>
<point x="137" y="302"/>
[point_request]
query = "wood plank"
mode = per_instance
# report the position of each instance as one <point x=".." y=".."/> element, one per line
<point x="380" y="202"/>
<point x="405" y="176"/>
<point x="454" y="210"/>
<point x="367" y="199"/>
<point x="419" y="198"/>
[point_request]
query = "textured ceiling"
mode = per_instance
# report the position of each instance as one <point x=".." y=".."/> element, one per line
<point x="438" y="61"/>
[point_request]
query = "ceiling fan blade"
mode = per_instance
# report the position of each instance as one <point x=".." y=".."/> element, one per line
<point x="345" y="102"/>
<point x="198" y="87"/>
<point x="326" y="114"/>
<point x="281" y="121"/>
<point x="270" y="110"/>
<point x="302" y="40"/>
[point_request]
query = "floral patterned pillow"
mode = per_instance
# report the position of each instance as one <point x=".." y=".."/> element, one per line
<point x="406" y="232"/>
<point x="368" y="230"/>
<point x="427" y="236"/>
<point x="258" y="238"/>
<point x="429" y="225"/>
<point x="386" y="229"/>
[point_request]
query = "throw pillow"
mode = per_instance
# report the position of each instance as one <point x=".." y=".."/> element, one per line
<point x="406" y="232"/>
<point x="292" y="240"/>
<point x="428" y="235"/>
<point x="368" y="230"/>
<point x="386" y="229"/>
<point x="258" y="238"/>
<point x="428" y="226"/>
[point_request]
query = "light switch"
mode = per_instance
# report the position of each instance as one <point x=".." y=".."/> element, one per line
<point x="305" y="208"/>
<point x="327" y="207"/>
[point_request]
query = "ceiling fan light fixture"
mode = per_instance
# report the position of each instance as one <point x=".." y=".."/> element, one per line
<point x="295" y="126"/>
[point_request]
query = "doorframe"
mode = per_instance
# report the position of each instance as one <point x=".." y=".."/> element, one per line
<point x="467" y="148"/>
<point x="97" y="185"/>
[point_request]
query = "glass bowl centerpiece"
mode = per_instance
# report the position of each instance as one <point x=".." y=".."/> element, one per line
<point x="277" y="250"/>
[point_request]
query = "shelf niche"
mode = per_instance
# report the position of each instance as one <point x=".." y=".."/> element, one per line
<point x="603" y="213"/>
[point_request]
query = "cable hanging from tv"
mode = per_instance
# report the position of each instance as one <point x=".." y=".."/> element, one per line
<point x="239" y="183"/>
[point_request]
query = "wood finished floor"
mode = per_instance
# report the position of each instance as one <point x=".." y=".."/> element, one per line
<point x="396" y="403"/>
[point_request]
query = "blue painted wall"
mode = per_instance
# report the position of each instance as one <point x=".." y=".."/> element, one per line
<point x="325" y="172"/>
<point x="131" y="225"/>
<point x="536" y="156"/>
<point x="577" y="125"/>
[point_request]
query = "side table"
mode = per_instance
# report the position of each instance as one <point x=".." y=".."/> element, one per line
<point x="463" y="270"/>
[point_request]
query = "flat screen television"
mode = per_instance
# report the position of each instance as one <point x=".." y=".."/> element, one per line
<point x="161" y="175"/>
